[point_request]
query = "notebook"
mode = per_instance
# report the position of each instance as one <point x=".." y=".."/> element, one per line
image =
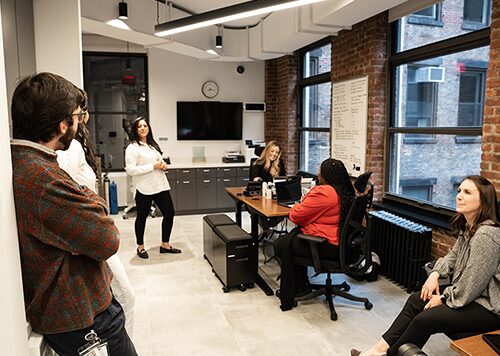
<point x="289" y="192"/>
<point x="493" y="340"/>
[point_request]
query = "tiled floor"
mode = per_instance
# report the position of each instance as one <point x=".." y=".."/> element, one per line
<point x="181" y="309"/>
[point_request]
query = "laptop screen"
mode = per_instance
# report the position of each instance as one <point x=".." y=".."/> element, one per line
<point x="289" y="190"/>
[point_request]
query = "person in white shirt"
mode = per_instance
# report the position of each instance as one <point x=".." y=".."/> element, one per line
<point x="79" y="162"/>
<point x="144" y="162"/>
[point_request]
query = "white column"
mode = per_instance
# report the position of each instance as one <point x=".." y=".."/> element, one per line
<point x="58" y="38"/>
<point x="13" y="331"/>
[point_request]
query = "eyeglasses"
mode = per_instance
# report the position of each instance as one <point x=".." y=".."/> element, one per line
<point x="81" y="115"/>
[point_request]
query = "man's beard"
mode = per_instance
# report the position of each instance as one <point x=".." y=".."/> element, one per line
<point x="66" y="139"/>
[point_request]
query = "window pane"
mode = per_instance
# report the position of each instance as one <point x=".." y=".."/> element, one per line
<point x="316" y="105"/>
<point x="429" y="172"/>
<point x="314" y="149"/>
<point x="446" y="91"/>
<point x="317" y="61"/>
<point x="414" y="34"/>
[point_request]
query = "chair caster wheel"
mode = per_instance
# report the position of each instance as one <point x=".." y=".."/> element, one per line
<point x="346" y="287"/>
<point x="334" y="316"/>
<point x="250" y="285"/>
<point x="125" y="216"/>
<point x="368" y="305"/>
<point x="242" y="287"/>
<point x="225" y="289"/>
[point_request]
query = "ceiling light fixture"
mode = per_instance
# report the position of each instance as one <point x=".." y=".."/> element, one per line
<point x="122" y="10"/>
<point x="227" y="14"/>
<point x="218" y="38"/>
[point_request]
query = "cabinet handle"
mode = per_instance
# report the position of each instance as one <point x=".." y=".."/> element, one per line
<point x="242" y="259"/>
<point x="206" y="180"/>
<point x="226" y="169"/>
<point x="206" y="170"/>
<point x="231" y="256"/>
<point x="185" y="171"/>
<point x="226" y="180"/>
<point x="241" y="246"/>
<point x="185" y="182"/>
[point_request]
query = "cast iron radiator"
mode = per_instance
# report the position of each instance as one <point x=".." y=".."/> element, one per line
<point x="403" y="247"/>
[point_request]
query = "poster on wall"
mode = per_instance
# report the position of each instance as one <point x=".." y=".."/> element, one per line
<point x="349" y="123"/>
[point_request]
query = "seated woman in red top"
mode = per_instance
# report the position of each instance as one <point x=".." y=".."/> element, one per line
<point x="321" y="213"/>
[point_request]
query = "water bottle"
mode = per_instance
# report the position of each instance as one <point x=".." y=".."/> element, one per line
<point x="113" y="198"/>
<point x="264" y="189"/>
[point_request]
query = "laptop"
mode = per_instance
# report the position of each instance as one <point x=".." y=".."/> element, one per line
<point x="288" y="192"/>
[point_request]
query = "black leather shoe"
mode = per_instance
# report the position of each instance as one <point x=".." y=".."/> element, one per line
<point x="169" y="250"/>
<point x="143" y="254"/>
<point x="355" y="352"/>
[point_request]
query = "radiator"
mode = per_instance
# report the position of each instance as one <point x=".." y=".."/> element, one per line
<point x="403" y="247"/>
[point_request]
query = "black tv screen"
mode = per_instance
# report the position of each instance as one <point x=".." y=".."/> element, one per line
<point x="209" y="120"/>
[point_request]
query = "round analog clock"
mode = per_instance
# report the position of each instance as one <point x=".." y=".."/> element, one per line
<point x="210" y="89"/>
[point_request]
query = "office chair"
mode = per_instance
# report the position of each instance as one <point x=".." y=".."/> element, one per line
<point x="354" y="260"/>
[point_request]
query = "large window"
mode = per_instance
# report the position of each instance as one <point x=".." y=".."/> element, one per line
<point x="315" y="107"/>
<point x="117" y="88"/>
<point x="437" y="101"/>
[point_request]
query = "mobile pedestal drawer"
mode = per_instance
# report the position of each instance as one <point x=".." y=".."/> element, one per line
<point x="209" y="223"/>
<point x="234" y="257"/>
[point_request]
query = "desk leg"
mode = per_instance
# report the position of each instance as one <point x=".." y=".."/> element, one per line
<point x="239" y="205"/>
<point x="255" y="234"/>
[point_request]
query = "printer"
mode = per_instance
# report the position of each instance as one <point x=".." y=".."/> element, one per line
<point x="233" y="157"/>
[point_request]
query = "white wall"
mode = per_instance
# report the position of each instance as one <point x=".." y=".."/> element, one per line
<point x="174" y="77"/>
<point x="13" y="331"/>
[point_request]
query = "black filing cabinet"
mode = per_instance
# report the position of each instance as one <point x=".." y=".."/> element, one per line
<point x="234" y="257"/>
<point x="209" y="223"/>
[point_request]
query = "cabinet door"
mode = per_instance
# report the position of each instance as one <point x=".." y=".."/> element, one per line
<point x="206" y="193"/>
<point x="244" y="172"/>
<point x="172" y="180"/>
<point x="223" y="199"/>
<point x="186" y="194"/>
<point x="227" y="172"/>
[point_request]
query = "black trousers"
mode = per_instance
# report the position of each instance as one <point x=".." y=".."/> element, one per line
<point x="163" y="201"/>
<point x="416" y="325"/>
<point x="294" y="278"/>
<point x="109" y="324"/>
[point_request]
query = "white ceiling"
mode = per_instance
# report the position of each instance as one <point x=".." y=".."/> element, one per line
<point x="274" y="35"/>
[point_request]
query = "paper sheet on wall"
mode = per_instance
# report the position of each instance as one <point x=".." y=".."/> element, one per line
<point x="349" y="123"/>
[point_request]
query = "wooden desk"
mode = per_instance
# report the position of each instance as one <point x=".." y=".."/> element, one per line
<point x="473" y="346"/>
<point x="257" y="206"/>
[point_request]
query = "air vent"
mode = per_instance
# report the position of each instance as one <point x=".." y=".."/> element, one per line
<point x="254" y="107"/>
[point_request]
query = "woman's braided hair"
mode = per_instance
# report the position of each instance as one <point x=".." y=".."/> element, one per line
<point x="335" y="174"/>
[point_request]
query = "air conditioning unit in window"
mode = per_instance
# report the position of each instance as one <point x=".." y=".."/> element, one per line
<point x="430" y="74"/>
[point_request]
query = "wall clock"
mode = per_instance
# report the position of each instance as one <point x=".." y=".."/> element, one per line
<point x="210" y="89"/>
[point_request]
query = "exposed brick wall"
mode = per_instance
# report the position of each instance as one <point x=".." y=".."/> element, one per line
<point x="490" y="159"/>
<point x="281" y="121"/>
<point x="359" y="52"/>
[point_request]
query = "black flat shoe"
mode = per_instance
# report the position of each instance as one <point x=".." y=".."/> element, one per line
<point x="143" y="254"/>
<point x="355" y="352"/>
<point x="169" y="250"/>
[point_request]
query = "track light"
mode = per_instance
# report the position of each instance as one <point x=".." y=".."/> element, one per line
<point x="218" y="38"/>
<point x="227" y="14"/>
<point x="122" y="10"/>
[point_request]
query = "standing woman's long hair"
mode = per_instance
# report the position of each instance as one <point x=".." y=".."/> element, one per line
<point x="82" y="135"/>
<point x="335" y="174"/>
<point x="272" y="166"/>
<point x="488" y="209"/>
<point x="134" y="136"/>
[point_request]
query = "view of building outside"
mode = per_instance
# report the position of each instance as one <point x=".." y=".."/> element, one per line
<point x="316" y="109"/>
<point x="446" y="91"/>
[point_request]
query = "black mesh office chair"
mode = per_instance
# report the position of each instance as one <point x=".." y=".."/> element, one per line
<point x="258" y="151"/>
<point x="355" y="257"/>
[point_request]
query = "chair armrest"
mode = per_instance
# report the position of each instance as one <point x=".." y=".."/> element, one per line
<point x="314" y="241"/>
<point x="311" y="238"/>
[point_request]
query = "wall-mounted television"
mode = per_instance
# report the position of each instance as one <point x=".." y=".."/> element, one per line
<point x="209" y="120"/>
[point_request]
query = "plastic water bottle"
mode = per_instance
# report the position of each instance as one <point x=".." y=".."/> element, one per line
<point x="113" y="198"/>
<point x="264" y="189"/>
<point x="106" y="188"/>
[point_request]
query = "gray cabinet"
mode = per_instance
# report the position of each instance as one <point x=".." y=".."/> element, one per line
<point x="202" y="190"/>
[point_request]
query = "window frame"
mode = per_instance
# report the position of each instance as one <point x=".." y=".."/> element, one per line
<point x="303" y="83"/>
<point x="435" y="20"/>
<point x="476" y="25"/>
<point x="468" y="41"/>
<point x="95" y="113"/>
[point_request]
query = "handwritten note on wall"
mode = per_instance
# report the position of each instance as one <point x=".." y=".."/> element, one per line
<point x="349" y="123"/>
